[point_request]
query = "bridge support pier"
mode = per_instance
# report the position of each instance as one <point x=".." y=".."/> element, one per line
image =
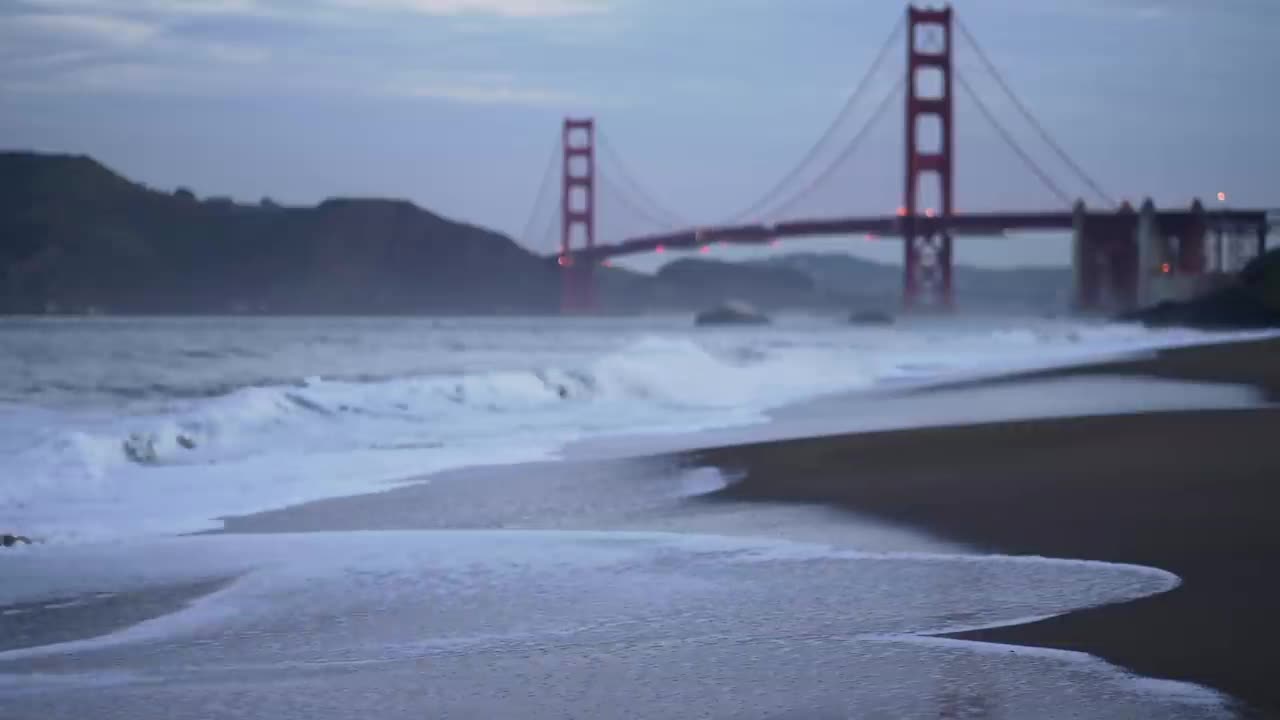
<point x="1125" y="261"/>
<point x="1084" y="273"/>
<point x="1193" y="243"/>
<point x="577" y="286"/>
<point x="928" y="263"/>
<point x="1154" y="253"/>
<point x="1174" y="257"/>
<point x="1105" y="254"/>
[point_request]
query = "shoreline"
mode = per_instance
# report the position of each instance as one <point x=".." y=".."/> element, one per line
<point x="1188" y="492"/>
<point x="1009" y="487"/>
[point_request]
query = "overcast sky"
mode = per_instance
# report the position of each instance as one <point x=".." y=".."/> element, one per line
<point x="456" y="104"/>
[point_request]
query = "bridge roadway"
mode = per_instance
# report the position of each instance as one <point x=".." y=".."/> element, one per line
<point x="961" y="224"/>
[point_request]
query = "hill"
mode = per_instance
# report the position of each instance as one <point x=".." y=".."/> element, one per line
<point x="74" y="236"/>
<point x="700" y="283"/>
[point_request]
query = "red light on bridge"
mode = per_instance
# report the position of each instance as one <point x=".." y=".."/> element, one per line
<point x="565" y="261"/>
<point x="928" y="212"/>
<point x="1165" y="268"/>
<point x="606" y="263"/>
<point x="1222" y="197"/>
<point x="660" y="249"/>
<point x="870" y="236"/>
<point x="704" y="249"/>
<point x="902" y="212"/>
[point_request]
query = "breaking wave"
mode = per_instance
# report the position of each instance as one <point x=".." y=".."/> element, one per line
<point x="212" y="445"/>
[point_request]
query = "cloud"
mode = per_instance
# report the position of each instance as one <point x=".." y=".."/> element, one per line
<point x="106" y="29"/>
<point x="233" y="54"/>
<point x="150" y="78"/>
<point x="155" y="7"/>
<point x="122" y="76"/>
<point x="203" y="47"/>
<point x="1114" y="10"/>
<point x="229" y="77"/>
<point x="488" y="92"/>
<point x="81" y="78"/>
<point x="51" y="59"/>
<point x="501" y="8"/>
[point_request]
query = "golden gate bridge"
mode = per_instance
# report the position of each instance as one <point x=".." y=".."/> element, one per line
<point x="1122" y="256"/>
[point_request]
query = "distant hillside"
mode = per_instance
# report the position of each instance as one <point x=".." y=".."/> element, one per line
<point x="862" y="283"/>
<point x="75" y="236"/>
<point x="696" y="282"/>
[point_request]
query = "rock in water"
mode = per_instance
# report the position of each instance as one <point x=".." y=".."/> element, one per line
<point x="731" y="313"/>
<point x="141" y="448"/>
<point x="871" y="317"/>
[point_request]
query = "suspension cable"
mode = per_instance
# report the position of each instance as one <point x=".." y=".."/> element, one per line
<point x="1012" y="143"/>
<point x="543" y="189"/>
<point x="631" y="204"/>
<point x="1026" y="113"/>
<point x="848" y="151"/>
<point x="549" y="238"/>
<point x="656" y="209"/>
<point x="860" y="89"/>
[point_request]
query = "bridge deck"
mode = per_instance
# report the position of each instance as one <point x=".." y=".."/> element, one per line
<point x="963" y="224"/>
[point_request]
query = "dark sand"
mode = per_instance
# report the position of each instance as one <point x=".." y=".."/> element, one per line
<point x="1194" y="493"/>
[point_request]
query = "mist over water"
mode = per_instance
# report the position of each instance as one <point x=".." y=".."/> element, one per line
<point x="113" y="427"/>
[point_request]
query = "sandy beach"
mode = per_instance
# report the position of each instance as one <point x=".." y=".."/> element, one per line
<point x="1193" y="493"/>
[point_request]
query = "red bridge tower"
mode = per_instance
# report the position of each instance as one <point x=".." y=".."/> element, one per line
<point x="926" y="241"/>
<point x="578" y="216"/>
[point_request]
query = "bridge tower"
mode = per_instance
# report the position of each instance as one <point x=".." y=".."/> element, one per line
<point x="926" y="240"/>
<point x="578" y="216"/>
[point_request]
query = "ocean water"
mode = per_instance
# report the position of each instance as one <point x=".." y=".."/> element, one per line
<point x="116" y="428"/>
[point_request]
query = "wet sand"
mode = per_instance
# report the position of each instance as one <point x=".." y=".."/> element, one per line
<point x="1194" y="493"/>
<point x="75" y="617"/>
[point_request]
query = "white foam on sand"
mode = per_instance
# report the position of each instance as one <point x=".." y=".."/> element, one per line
<point x="1183" y="692"/>
<point x="705" y="481"/>
<point x="386" y="600"/>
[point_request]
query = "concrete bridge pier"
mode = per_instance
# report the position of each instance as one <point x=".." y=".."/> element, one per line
<point x="1172" y="257"/>
<point x="1127" y="260"/>
<point x="1105" y="259"/>
<point x="1193" y="242"/>
<point x="1176" y="248"/>
<point x="1083" y="283"/>
<point x="1154" y="254"/>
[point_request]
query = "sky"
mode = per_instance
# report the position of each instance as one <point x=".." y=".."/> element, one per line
<point x="457" y="104"/>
